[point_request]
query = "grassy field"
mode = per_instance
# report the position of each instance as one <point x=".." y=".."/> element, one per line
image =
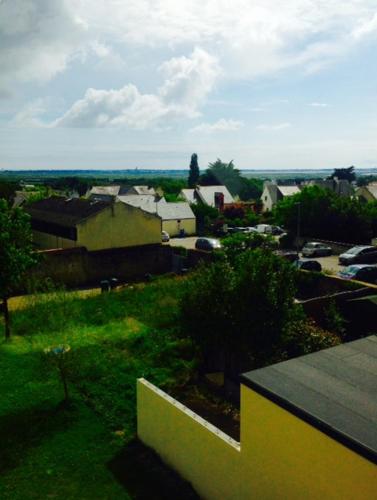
<point x="51" y="451"/>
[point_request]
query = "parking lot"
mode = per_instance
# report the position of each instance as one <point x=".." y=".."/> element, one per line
<point x="329" y="264"/>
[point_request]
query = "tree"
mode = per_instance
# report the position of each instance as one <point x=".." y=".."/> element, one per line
<point x="219" y="173"/>
<point x="194" y="171"/>
<point x="16" y="253"/>
<point x="324" y="214"/>
<point x="347" y="174"/>
<point x="238" y="311"/>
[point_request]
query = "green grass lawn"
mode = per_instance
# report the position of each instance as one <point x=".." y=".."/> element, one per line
<point x="49" y="451"/>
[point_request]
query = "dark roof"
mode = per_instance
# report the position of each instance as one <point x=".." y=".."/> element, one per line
<point x="335" y="390"/>
<point x="60" y="216"/>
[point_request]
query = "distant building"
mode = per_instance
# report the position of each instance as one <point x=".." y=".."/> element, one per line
<point x="97" y="225"/>
<point x="367" y="193"/>
<point x="141" y="190"/>
<point x="272" y="194"/>
<point x="341" y="187"/>
<point x="175" y="216"/>
<point x="214" y="196"/>
<point x="104" y="193"/>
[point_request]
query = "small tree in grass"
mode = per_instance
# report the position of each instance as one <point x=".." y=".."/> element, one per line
<point x="16" y="253"/>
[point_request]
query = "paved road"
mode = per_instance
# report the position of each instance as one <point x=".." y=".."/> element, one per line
<point x="188" y="242"/>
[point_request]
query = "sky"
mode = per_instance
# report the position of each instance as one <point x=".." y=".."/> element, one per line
<point x="146" y="83"/>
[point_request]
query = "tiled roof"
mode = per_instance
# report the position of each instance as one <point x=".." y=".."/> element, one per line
<point x="207" y="194"/>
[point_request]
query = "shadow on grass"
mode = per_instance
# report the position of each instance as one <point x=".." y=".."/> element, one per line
<point x="145" y="477"/>
<point x="19" y="432"/>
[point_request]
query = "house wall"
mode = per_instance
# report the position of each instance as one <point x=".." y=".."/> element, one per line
<point x="45" y="240"/>
<point x="365" y="194"/>
<point x="285" y="457"/>
<point x="280" y="457"/>
<point x="267" y="200"/>
<point x="119" y="226"/>
<point x="205" y="456"/>
<point x="173" y="227"/>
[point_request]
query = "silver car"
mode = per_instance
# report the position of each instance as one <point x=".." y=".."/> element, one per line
<point x="359" y="255"/>
<point x="316" y="249"/>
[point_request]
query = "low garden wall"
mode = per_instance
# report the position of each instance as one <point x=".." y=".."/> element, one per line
<point x="75" y="267"/>
<point x="201" y="453"/>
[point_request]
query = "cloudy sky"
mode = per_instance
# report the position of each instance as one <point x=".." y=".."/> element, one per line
<point x="145" y="83"/>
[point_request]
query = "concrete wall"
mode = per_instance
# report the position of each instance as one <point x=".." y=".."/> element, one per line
<point x="280" y="457"/>
<point x="77" y="267"/>
<point x="119" y="226"/>
<point x="201" y="453"/>
<point x="173" y="226"/>
<point x="284" y="457"/>
<point x="45" y="240"/>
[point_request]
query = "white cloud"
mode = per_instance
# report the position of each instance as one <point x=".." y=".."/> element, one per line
<point x="318" y="104"/>
<point x="221" y="125"/>
<point x="273" y="127"/>
<point x="29" y="116"/>
<point x="37" y="39"/>
<point x="188" y="82"/>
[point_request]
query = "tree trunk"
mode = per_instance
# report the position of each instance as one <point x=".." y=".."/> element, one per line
<point x="6" y="318"/>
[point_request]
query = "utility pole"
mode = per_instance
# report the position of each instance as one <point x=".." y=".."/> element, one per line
<point x="298" y="226"/>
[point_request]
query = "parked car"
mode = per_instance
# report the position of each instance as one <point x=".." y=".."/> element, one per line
<point x="315" y="249"/>
<point x="165" y="236"/>
<point x="208" y="244"/>
<point x="362" y="272"/>
<point x="359" y="255"/>
<point x="290" y="255"/>
<point x="308" y="265"/>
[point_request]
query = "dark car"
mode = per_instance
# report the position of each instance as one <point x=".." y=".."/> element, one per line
<point x="308" y="265"/>
<point x="361" y="272"/>
<point x="316" y="249"/>
<point x="359" y="255"/>
<point x="208" y="244"/>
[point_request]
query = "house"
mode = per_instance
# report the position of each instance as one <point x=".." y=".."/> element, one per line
<point x="59" y="222"/>
<point x="141" y="190"/>
<point x="367" y="193"/>
<point x="175" y="216"/>
<point x="214" y="196"/>
<point x="341" y="187"/>
<point x="104" y="193"/>
<point x="272" y="194"/>
<point x="308" y="430"/>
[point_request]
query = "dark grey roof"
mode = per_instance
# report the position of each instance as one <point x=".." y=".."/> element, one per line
<point x="334" y="390"/>
<point x="60" y="216"/>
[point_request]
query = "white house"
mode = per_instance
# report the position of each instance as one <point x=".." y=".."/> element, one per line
<point x="213" y="196"/>
<point x="272" y="193"/>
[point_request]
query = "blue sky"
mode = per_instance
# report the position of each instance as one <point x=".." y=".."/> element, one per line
<point x="142" y="83"/>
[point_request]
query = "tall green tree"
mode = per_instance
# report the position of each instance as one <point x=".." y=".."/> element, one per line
<point x="347" y="173"/>
<point x="194" y="171"/>
<point x="16" y="253"/>
<point x="219" y="173"/>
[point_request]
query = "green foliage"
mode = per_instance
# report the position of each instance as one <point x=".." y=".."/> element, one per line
<point x="16" y="253"/>
<point x="303" y="336"/>
<point x="194" y="171"/>
<point x="219" y="173"/>
<point x="237" y="243"/>
<point x="323" y="214"/>
<point x="251" y="189"/>
<point x="8" y="190"/>
<point x="205" y="215"/>
<point x="347" y="174"/>
<point x="334" y="321"/>
<point x="248" y="304"/>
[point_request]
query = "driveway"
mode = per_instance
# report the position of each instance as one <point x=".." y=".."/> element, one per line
<point x="188" y="242"/>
